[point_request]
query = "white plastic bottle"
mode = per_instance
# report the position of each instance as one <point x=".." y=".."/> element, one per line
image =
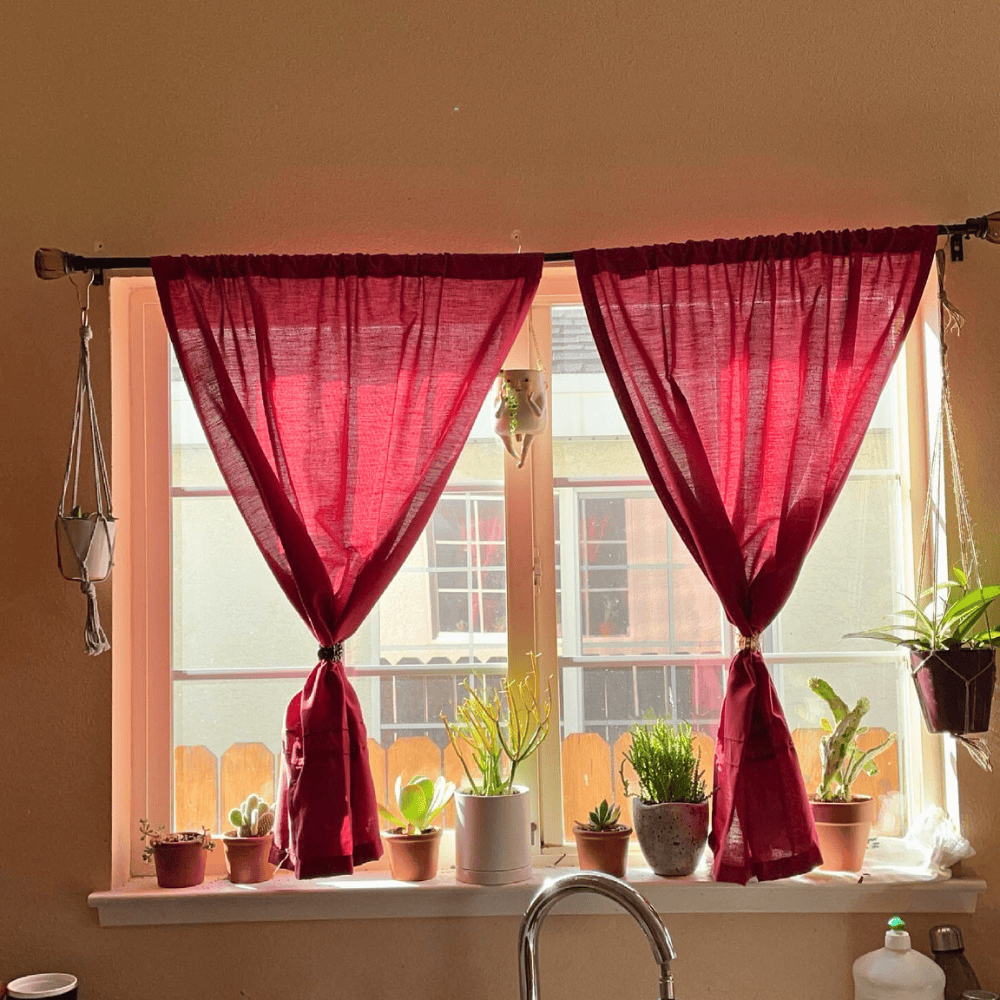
<point x="897" y="972"/>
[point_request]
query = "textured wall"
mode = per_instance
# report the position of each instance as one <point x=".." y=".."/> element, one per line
<point x="307" y="126"/>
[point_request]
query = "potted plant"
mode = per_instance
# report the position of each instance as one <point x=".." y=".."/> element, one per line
<point x="413" y="843"/>
<point x="248" y="844"/>
<point x="602" y="844"/>
<point x="179" y="857"/>
<point x="670" y="812"/>
<point x="493" y="735"/>
<point x="520" y="409"/>
<point x="953" y="662"/>
<point x="843" y="820"/>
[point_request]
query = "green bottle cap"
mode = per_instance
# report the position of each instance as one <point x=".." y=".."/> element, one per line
<point x="897" y="924"/>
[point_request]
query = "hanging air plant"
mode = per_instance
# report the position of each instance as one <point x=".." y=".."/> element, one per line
<point x="85" y="540"/>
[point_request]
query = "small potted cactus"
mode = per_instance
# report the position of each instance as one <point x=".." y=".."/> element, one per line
<point x="843" y="820"/>
<point x="602" y="844"/>
<point x="248" y="843"/>
<point x="179" y="858"/>
<point x="412" y="841"/>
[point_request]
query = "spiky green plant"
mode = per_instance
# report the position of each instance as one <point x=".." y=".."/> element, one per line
<point x="255" y="818"/>
<point x="499" y="731"/>
<point x="843" y="760"/>
<point x="666" y="763"/>
<point x="944" y="619"/>
<point x="603" y="817"/>
<point x="420" y="801"/>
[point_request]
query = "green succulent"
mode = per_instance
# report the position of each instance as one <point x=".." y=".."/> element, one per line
<point x="420" y="802"/>
<point x="843" y="760"/>
<point x="604" y="817"/>
<point x="255" y="818"/>
<point x="666" y="763"/>
<point x="942" y="622"/>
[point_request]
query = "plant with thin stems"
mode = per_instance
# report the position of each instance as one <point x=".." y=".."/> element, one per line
<point x="945" y="620"/>
<point x="665" y="762"/>
<point x="509" y="724"/>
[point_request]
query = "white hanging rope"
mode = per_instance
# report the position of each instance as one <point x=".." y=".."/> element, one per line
<point x="85" y="541"/>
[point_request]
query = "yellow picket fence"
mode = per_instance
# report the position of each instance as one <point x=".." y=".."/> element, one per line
<point x="206" y="788"/>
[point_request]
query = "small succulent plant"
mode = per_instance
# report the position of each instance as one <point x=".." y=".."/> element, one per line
<point x="255" y="818"/>
<point x="420" y="801"/>
<point x="151" y="838"/>
<point x="843" y="760"/>
<point x="603" y="817"/>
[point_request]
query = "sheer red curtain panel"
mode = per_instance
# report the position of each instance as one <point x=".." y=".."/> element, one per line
<point x="748" y="372"/>
<point x="336" y="393"/>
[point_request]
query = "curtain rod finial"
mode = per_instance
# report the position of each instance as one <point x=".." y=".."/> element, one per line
<point x="51" y="264"/>
<point x="992" y="233"/>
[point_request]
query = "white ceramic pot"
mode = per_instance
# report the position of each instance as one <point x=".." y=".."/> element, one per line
<point x="86" y="542"/>
<point x="528" y="391"/>
<point x="493" y="837"/>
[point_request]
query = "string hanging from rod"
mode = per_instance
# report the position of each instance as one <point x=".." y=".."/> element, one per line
<point x="51" y="263"/>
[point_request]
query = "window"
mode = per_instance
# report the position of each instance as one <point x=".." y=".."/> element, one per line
<point x="572" y="556"/>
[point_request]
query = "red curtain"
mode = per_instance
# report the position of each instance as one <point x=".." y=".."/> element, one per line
<point x="748" y="371"/>
<point x="336" y="394"/>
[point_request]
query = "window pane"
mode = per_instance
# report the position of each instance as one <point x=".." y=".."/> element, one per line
<point x="639" y="595"/>
<point x="442" y="620"/>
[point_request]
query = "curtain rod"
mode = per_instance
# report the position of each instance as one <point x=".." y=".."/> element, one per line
<point x="57" y="263"/>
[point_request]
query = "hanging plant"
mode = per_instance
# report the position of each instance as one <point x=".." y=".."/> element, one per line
<point x="521" y="409"/>
<point x="85" y="540"/>
<point x="948" y="628"/>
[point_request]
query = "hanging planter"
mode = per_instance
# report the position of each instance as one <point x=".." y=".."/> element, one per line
<point x="948" y="629"/>
<point x="521" y="409"/>
<point x="85" y="540"/>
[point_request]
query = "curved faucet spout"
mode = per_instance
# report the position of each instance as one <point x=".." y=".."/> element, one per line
<point x="604" y="885"/>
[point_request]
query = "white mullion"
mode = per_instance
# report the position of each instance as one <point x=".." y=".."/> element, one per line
<point x="571" y="676"/>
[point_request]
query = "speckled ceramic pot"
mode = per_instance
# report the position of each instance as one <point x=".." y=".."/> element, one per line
<point x="671" y="835"/>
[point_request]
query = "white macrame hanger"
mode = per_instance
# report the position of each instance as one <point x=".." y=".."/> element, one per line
<point x="85" y="541"/>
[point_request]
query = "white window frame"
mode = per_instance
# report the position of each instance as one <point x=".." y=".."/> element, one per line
<point x="141" y="458"/>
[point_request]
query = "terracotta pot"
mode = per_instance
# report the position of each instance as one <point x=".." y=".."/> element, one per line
<point x="672" y="835"/>
<point x="246" y="859"/>
<point x="842" y="829"/>
<point x="602" y="850"/>
<point x="492" y="837"/>
<point x="955" y="688"/>
<point x="179" y="864"/>
<point x="413" y="857"/>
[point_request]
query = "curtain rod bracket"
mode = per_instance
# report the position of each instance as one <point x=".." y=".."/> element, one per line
<point x="957" y="251"/>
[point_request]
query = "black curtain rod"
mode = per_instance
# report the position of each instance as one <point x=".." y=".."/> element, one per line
<point x="57" y="263"/>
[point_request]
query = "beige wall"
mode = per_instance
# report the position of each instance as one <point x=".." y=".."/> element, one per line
<point x="307" y="126"/>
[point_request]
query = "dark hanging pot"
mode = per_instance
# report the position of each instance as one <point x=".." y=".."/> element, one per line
<point x="955" y="688"/>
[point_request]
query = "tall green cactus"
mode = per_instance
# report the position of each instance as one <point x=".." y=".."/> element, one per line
<point x="255" y="818"/>
<point x="843" y="760"/>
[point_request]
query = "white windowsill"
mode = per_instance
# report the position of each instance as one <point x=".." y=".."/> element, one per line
<point x="373" y="895"/>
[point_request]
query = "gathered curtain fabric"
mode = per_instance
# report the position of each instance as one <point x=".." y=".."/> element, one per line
<point x="748" y="372"/>
<point x="336" y="393"/>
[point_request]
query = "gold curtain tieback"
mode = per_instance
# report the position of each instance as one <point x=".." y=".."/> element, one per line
<point x="751" y="642"/>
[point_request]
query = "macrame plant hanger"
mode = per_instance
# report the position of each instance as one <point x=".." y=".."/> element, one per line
<point x="945" y="461"/>
<point x="85" y="541"/>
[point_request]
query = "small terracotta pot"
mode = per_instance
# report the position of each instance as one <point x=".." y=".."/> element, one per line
<point x="413" y="857"/>
<point x="246" y="859"/>
<point x="602" y="850"/>
<point x="179" y="864"/>
<point x="842" y="829"/>
<point x="671" y="835"/>
<point x="955" y="688"/>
